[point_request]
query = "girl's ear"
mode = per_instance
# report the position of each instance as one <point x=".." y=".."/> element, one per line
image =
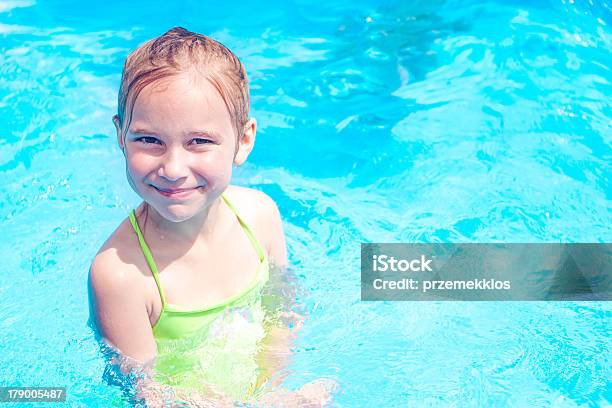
<point x="118" y="129"/>
<point x="119" y="135"/>
<point x="245" y="142"/>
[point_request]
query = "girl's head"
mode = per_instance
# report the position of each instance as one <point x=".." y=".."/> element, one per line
<point x="182" y="120"/>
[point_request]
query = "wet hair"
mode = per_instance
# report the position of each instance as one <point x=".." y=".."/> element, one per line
<point x="181" y="51"/>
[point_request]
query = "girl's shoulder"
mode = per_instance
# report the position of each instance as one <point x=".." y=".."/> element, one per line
<point x="121" y="256"/>
<point x="120" y="243"/>
<point x="256" y="207"/>
<point x="261" y="213"/>
<point x="116" y="269"/>
<point x="251" y="201"/>
<point x="119" y="253"/>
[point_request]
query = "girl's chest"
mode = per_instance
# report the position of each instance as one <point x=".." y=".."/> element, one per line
<point x="198" y="280"/>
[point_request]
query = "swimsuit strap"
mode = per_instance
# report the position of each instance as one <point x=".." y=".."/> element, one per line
<point x="260" y="252"/>
<point x="149" y="256"/>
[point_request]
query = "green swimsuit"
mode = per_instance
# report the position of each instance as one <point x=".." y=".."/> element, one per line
<point x="214" y="345"/>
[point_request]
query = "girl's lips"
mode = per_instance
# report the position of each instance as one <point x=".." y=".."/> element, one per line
<point x="178" y="190"/>
<point x="176" y="193"/>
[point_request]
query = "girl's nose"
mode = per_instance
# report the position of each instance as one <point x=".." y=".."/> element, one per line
<point x="174" y="166"/>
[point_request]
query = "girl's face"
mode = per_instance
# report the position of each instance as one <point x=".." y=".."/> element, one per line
<point x="180" y="146"/>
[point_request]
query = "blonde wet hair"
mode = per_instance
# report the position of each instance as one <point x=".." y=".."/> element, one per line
<point x="181" y="51"/>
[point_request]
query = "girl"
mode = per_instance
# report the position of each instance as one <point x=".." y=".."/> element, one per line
<point x="179" y="281"/>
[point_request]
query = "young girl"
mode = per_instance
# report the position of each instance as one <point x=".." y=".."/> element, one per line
<point x="179" y="282"/>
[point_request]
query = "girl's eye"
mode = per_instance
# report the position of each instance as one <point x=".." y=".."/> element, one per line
<point x="202" y="141"/>
<point x="147" y="140"/>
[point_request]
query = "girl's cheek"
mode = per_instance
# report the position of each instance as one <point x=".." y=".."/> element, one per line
<point x="217" y="168"/>
<point x="137" y="159"/>
<point x="138" y="168"/>
<point x="216" y="161"/>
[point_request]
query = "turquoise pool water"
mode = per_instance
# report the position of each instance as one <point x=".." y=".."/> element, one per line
<point x="438" y="121"/>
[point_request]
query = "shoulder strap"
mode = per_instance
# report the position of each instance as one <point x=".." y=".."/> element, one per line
<point x="148" y="256"/>
<point x="245" y="227"/>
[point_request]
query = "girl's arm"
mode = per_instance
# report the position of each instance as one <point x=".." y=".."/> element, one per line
<point x="281" y="330"/>
<point x="118" y="309"/>
<point x="276" y="245"/>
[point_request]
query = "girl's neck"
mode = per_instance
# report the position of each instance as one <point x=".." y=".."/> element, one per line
<point x="183" y="235"/>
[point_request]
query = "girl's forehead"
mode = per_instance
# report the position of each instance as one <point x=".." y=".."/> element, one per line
<point x="180" y="100"/>
<point x="180" y="91"/>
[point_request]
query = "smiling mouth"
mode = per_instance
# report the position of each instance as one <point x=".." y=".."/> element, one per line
<point x="178" y="193"/>
<point x="179" y="190"/>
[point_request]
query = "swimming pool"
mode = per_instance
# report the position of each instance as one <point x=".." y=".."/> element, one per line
<point x="439" y="121"/>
